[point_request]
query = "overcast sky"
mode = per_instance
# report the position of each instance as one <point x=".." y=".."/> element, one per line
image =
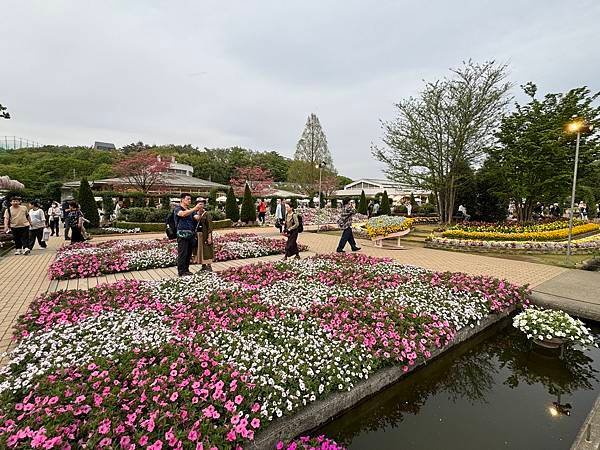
<point x="248" y="73"/>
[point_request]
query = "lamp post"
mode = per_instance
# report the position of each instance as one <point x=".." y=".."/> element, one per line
<point x="320" y="167"/>
<point x="575" y="126"/>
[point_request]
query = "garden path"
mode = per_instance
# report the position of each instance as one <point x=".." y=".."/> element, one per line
<point x="22" y="278"/>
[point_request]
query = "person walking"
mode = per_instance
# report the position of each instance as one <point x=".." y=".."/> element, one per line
<point x="375" y="208"/>
<point x="185" y="217"/>
<point x="37" y="220"/>
<point x="370" y="209"/>
<point x="205" y="250"/>
<point x="54" y="216"/>
<point x="279" y="216"/>
<point x="16" y="221"/>
<point x="65" y="216"/>
<point x="292" y="222"/>
<point x="262" y="211"/>
<point x="74" y="222"/>
<point x="408" y="208"/>
<point x="345" y="223"/>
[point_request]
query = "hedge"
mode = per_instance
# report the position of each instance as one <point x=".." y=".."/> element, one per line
<point x="160" y="227"/>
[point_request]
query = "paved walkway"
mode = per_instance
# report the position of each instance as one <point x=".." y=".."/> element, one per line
<point x="22" y="278"/>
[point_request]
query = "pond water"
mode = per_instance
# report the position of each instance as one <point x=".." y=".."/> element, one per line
<point x="496" y="391"/>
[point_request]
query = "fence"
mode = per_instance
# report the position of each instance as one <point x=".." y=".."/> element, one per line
<point x="16" y="142"/>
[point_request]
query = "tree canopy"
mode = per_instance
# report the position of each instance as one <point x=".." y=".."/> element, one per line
<point x="452" y="121"/>
<point x="535" y="153"/>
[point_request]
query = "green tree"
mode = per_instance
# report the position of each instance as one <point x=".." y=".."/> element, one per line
<point x="248" y="213"/>
<point x="108" y="205"/>
<point x="273" y="205"/>
<point x="385" y="209"/>
<point x="165" y="202"/>
<point x="88" y="204"/>
<point x="343" y="181"/>
<point x="362" y="203"/>
<point x="294" y="202"/>
<point x="212" y="198"/>
<point x="322" y="200"/>
<point x="535" y="154"/>
<point x="334" y="203"/>
<point x="4" y="114"/>
<point x="232" y="210"/>
<point x="452" y="120"/>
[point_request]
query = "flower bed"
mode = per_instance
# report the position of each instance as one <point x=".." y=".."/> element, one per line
<point x="386" y="225"/>
<point x="544" y="232"/>
<point x="210" y="360"/>
<point x="547" y="324"/>
<point x="587" y="245"/>
<point x="319" y="216"/>
<point x="90" y="260"/>
<point x="116" y="230"/>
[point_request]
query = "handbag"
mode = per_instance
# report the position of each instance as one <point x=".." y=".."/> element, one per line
<point x="46" y="234"/>
<point x="185" y="234"/>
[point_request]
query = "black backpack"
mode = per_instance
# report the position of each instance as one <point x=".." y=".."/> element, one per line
<point x="171" y="226"/>
<point x="300" y="224"/>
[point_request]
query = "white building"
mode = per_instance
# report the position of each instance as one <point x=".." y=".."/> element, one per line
<point x="396" y="191"/>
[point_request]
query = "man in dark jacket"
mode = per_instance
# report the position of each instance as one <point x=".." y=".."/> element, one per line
<point x="345" y="223"/>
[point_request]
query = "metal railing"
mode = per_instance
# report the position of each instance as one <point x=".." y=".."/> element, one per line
<point x="16" y="142"/>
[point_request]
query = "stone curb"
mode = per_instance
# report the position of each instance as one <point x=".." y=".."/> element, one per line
<point x="322" y="411"/>
<point x="588" y="437"/>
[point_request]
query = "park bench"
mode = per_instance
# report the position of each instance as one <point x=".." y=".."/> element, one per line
<point x="378" y="240"/>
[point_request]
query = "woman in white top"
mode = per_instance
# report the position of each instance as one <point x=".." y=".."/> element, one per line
<point x="38" y="222"/>
<point x="54" y="215"/>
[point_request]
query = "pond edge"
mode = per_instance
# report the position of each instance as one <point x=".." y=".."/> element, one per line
<point x="322" y="411"/>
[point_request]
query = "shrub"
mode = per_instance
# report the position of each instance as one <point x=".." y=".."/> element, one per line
<point x="152" y="203"/>
<point x="88" y="204"/>
<point x="427" y="208"/>
<point x="144" y="215"/>
<point x="232" y="211"/>
<point x="108" y="205"/>
<point x="294" y="202"/>
<point x="273" y="206"/>
<point x="334" y="203"/>
<point x="248" y="213"/>
<point x="385" y="205"/>
<point x="139" y="202"/>
<point x="362" y="203"/>
<point x="165" y="202"/>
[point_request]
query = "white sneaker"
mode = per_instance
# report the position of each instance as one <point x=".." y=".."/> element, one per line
<point x="26" y="251"/>
<point x="18" y="252"/>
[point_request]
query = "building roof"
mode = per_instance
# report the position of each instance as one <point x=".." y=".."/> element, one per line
<point x="168" y="179"/>
<point x="104" y="145"/>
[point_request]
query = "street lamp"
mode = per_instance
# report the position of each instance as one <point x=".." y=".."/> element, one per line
<point x="577" y="125"/>
<point x="320" y="167"/>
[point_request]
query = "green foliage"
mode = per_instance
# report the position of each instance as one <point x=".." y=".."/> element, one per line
<point x="535" y="155"/>
<point x="108" y="205"/>
<point x="152" y="203"/>
<point x="294" y="202"/>
<point x="273" y="205"/>
<point x="139" y="202"/>
<point x="165" y="202"/>
<point x="413" y="201"/>
<point x="490" y="205"/>
<point x="334" y="203"/>
<point x="88" y="204"/>
<point x="232" y="210"/>
<point x="385" y="209"/>
<point x="587" y="195"/>
<point x="362" y="203"/>
<point x="143" y="215"/>
<point x="126" y="202"/>
<point x="322" y="200"/>
<point x="248" y="213"/>
<point x="343" y="181"/>
<point x="311" y="203"/>
<point x="212" y="198"/>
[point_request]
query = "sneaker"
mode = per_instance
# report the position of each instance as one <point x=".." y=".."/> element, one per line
<point x="26" y="251"/>
<point x="356" y="249"/>
<point x="18" y="252"/>
<point x="186" y="274"/>
<point x="340" y="251"/>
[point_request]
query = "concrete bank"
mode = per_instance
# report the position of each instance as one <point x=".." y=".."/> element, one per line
<point x="574" y="291"/>
<point x="588" y="437"/>
<point x="322" y="411"/>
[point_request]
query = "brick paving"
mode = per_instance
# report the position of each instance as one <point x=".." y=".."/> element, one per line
<point x="22" y="278"/>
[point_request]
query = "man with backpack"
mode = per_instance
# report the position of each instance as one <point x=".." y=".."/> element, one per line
<point x="345" y="223"/>
<point x="185" y="219"/>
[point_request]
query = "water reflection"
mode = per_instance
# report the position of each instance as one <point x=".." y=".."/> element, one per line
<point x="494" y="378"/>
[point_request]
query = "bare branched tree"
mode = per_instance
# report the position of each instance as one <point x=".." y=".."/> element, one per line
<point x="451" y="123"/>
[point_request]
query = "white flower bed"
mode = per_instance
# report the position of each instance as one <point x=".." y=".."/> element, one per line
<point x="106" y="335"/>
<point x="546" y="324"/>
<point x="295" y="361"/>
